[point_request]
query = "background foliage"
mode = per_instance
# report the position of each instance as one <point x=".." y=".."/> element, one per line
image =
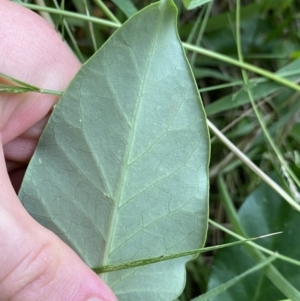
<point x="259" y="115"/>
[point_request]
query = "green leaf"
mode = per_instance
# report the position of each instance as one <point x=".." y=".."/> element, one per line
<point x="120" y="172"/>
<point x="263" y="212"/>
<point x="126" y="6"/>
<point x="191" y="4"/>
<point x="225" y="286"/>
<point x="260" y="88"/>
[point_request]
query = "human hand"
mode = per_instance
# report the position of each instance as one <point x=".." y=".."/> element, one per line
<point x="34" y="263"/>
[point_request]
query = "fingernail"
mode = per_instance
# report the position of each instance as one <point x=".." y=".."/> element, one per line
<point x="94" y="299"/>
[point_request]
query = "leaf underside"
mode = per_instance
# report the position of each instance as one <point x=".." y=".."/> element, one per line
<point x="120" y="172"/>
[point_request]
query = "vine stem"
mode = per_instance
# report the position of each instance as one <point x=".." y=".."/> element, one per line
<point x="187" y="46"/>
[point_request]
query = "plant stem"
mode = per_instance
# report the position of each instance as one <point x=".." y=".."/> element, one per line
<point x="71" y="15"/>
<point x="142" y="262"/>
<point x="107" y="11"/>
<point x="254" y="106"/>
<point x="187" y="46"/>
<point x="252" y="166"/>
<point x="242" y="65"/>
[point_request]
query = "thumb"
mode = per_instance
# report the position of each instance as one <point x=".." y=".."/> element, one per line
<point x="34" y="263"/>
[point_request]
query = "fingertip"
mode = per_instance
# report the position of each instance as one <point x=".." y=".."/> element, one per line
<point x="46" y="269"/>
<point x="33" y="52"/>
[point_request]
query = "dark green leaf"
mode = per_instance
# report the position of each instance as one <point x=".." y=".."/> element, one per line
<point x="263" y="212"/>
<point x="260" y="88"/>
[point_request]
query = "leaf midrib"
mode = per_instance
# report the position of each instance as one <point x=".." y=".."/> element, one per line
<point x="120" y="186"/>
